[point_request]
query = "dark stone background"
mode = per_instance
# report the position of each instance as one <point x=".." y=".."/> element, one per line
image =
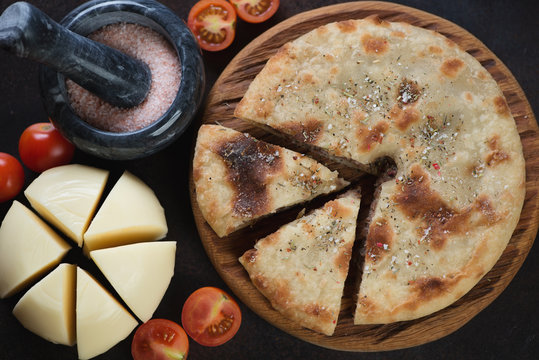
<point x="507" y="329"/>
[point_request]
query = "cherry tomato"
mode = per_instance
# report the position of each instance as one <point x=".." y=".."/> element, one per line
<point x="42" y="147"/>
<point x="11" y="177"/>
<point x="213" y="22"/>
<point x="160" y="339"/>
<point x="210" y="316"/>
<point x="255" y="11"/>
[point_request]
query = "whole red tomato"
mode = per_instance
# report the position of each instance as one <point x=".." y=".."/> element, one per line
<point x="42" y="147"/>
<point x="11" y="177"/>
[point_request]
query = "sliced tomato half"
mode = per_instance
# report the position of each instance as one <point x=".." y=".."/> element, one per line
<point x="210" y="316"/>
<point x="255" y="11"/>
<point x="213" y="22"/>
<point x="160" y="339"/>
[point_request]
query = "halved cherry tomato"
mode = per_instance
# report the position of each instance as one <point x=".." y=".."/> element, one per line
<point x="255" y="11"/>
<point x="11" y="177"/>
<point x="42" y="147"/>
<point x="160" y="339"/>
<point x="210" y="316"/>
<point x="213" y="22"/>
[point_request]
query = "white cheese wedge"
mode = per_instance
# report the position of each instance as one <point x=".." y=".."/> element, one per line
<point x="67" y="197"/>
<point x="101" y="321"/>
<point x="48" y="308"/>
<point x="140" y="273"/>
<point x="131" y="213"/>
<point x="28" y="248"/>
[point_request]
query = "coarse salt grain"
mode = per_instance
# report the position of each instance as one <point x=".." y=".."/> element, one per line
<point x="149" y="47"/>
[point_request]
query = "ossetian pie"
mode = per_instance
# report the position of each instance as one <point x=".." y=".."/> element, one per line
<point x="360" y="90"/>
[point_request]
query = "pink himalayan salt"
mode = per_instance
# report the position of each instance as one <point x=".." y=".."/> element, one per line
<point x="148" y="46"/>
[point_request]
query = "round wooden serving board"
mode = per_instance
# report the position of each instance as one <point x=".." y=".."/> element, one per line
<point x="224" y="253"/>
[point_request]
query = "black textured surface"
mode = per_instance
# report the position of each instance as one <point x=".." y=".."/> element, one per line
<point x="507" y="329"/>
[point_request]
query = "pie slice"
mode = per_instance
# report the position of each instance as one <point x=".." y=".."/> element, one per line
<point x="302" y="267"/>
<point x="361" y="90"/>
<point x="131" y="213"/>
<point x="140" y="273"/>
<point x="28" y="248"/>
<point x="239" y="179"/>
<point x="67" y="197"/>
<point x="48" y="308"/>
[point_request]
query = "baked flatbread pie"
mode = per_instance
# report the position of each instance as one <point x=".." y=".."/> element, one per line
<point x="239" y="179"/>
<point x="302" y="267"/>
<point x="360" y="90"/>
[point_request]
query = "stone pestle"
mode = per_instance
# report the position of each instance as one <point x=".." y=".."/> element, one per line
<point x="108" y="73"/>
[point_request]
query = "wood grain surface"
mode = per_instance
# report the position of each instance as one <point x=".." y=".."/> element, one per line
<point x="224" y="252"/>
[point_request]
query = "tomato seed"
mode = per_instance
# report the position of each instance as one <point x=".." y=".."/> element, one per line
<point x="222" y="327"/>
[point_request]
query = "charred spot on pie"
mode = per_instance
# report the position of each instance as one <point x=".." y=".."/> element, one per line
<point x="358" y="117"/>
<point x="376" y="20"/>
<point x="409" y="116"/>
<point x="477" y="169"/>
<point x="428" y="288"/>
<point x="307" y="227"/>
<point x="329" y="57"/>
<point x="419" y="202"/>
<point x="321" y="30"/>
<point x="313" y="309"/>
<point x="449" y="42"/>
<point x="320" y="312"/>
<point x="366" y="305"/>
<point x="371" y="136"/>
<point x="270" y="240"/>
<point x="260" y="281"/>
<point x="493" y="142"/>
<point x="483" y="75"/>
<point x="497" y="155"/>
<point x="374" y="45"/>
<point x="250" y="256"/>
<point x="484" y="206"/>
<point x="404" y="118"/>
<point x="283" y="52"/>
<point x="379" y="240"/>
<point x="433" y="49"/>
<point x="197" y="173"/>
<point x="398" y="34"/>
<point x="342" y="260"/>
<point x="347" y="26"/>
<point x="279" y="293"/>
<point x="283" y="56"/>
<point x="264" y="108"/>
<point x="337" y="210"/>
<point x="309" y="78"/>
<point x="452" y="67"/>
<point x="249" y="162"/>
<point x="408" y="92"/>
<point x="307" y="132"/>
<point x="500" y="106"/>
